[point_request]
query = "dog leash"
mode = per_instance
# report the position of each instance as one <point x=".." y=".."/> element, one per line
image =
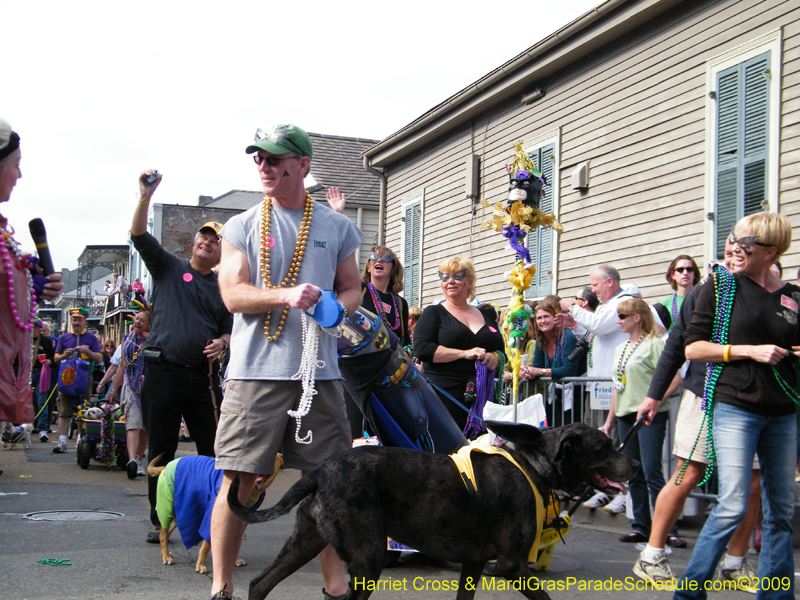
<point x="438" y="389"/>
<point x="211" y="389"/>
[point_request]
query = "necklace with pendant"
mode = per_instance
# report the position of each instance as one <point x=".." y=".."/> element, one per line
<point x="623" y="362"/>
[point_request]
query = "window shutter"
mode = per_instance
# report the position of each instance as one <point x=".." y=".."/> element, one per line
<point x="540" y="241"/>
<point x="411" y="253"/>
<point x="741" y="153"/>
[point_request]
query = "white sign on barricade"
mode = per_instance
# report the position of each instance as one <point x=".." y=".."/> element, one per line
<point x="600" y="395"/>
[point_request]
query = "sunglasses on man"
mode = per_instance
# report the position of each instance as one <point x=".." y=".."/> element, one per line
<point x="272" y="161"/>
<point x="387" y="258"/>
<point x="683" y="270"/>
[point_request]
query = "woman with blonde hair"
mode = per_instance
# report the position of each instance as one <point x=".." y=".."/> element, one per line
<point x="745" y="326"/>
<point x="632" y="369"/>
<point x="453" y="337"/>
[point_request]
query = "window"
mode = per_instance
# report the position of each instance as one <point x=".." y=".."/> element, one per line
<point x="743" y="151"/>
<point x="412" y="252"/>
<point x="541" y="242"/>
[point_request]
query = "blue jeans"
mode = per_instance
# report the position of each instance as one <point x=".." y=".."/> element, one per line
<point x="738" y="435"/>
<point x="646" y="447"/>
<point x="40" y="399"/>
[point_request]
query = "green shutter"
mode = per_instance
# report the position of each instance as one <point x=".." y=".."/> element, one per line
<point x="742" y="144"/>
<point x="412" y="251"/>
<point x="540" y="241"/>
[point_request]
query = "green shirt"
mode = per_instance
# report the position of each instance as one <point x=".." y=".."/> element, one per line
<point x="639" y="369"/>
<point x="667" y="302"/>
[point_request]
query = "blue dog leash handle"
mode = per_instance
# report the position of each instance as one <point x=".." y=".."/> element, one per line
<point x="328" y="312"/>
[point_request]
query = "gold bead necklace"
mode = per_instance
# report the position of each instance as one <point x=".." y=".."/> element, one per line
<point x="294" y="268"/>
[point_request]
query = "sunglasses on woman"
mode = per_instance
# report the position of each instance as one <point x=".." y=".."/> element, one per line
<point x="387" y="258"/>
<point x="746" y="242"/>
<point x="622" y="317"/>
<point x="458" y="275"/>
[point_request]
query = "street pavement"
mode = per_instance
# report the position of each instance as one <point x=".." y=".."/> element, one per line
<point x="110" y="559"/>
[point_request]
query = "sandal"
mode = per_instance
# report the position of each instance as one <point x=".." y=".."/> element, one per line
<point x="673" y="541"/>
<point x="633" y="538"/>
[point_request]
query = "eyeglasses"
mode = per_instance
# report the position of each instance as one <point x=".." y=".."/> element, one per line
<point x="578" y="298"/>
<point x="458" y="275"/>
<point x="280" y="137"/>
<point x="387" y="258"/>
<point x="684" y="269"/>
<point x="746" y="242"/>
<point x="272" y="161"/>
<point x="108" y="346"/>
<point x="622" y="317"/>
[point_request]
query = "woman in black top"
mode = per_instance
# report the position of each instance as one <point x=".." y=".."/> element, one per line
<point x="382" y="281"/>
<point x="450" y="337"/>
<point x="753" y="398"/>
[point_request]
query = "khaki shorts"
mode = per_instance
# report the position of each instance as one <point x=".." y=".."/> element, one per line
<point x="65" y="409"/>
<point x="690" y="418"/>
<point x="254" y="426"/>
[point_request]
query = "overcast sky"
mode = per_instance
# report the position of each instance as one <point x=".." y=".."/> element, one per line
<point x="99" y="91"/>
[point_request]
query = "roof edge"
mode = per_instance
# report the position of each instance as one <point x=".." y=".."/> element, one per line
<point x="468" y="102"/>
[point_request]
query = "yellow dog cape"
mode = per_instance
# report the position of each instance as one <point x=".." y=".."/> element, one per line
<point x="464" y="464"/>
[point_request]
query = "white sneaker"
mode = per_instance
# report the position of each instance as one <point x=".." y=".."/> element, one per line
<point x="140" y="468"/>
<point x="655" y="572"/>
<point x="745" y="578"/>
<point x="617" y="505"/>
<point x="599" y="499"/>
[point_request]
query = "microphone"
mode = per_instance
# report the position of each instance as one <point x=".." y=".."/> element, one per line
<point x="39" y="236"/>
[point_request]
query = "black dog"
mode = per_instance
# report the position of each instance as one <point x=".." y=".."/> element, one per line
<point x="356" y="499"/>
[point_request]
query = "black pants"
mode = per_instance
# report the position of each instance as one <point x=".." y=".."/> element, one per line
<point x="170" y="392"/>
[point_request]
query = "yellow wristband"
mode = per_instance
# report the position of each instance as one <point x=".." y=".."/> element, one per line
<point x="726" y="355"/>
<point x="144" y="201"/>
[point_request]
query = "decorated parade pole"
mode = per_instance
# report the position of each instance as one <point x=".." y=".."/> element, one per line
<point x="515" y="219"/>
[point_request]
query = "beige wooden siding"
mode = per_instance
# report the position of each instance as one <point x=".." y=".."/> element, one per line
<point x="370" y="227"/>
<point x="636" y="111"/>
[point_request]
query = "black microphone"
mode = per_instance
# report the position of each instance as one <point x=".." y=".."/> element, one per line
<point x="39" y="236"/>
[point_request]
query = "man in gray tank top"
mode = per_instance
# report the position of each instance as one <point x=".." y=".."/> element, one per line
<point x="276" y="259"/>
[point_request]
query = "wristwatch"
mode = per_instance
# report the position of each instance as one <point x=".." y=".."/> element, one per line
<point x="224" y="344"/>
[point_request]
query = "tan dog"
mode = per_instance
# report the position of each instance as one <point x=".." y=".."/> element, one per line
<point x="168" y="508"/>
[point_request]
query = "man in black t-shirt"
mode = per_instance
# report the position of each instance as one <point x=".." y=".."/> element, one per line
<point x="189" y="330"/>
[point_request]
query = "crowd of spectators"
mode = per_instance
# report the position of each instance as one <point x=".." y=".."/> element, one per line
<point x="605" y="332"/>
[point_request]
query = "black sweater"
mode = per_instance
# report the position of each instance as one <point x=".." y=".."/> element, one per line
<point x="758" y="317"/>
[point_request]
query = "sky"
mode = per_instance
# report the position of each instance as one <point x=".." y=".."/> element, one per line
<point x="100" y="91"/>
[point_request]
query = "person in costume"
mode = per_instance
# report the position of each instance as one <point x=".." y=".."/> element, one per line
<point x="18" y="296"/>
<point x="682" y="275"/>
<point x="452" y="337"/>
<point x="381" y="284"/>
<point x="188" y="331"/>
<point x="132" y="370"/>
<point x="633" y="367"/>
<point x="277" y="258"/>
<point x="551" y="359"/>
<point x="77" y="342"/>
<point x="750" y="397"/>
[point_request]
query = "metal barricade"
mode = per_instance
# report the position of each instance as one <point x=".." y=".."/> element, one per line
<point x="554" y="409"/>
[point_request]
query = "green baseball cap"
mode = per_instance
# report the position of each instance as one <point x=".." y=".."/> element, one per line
<point x="282" y="139"/>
